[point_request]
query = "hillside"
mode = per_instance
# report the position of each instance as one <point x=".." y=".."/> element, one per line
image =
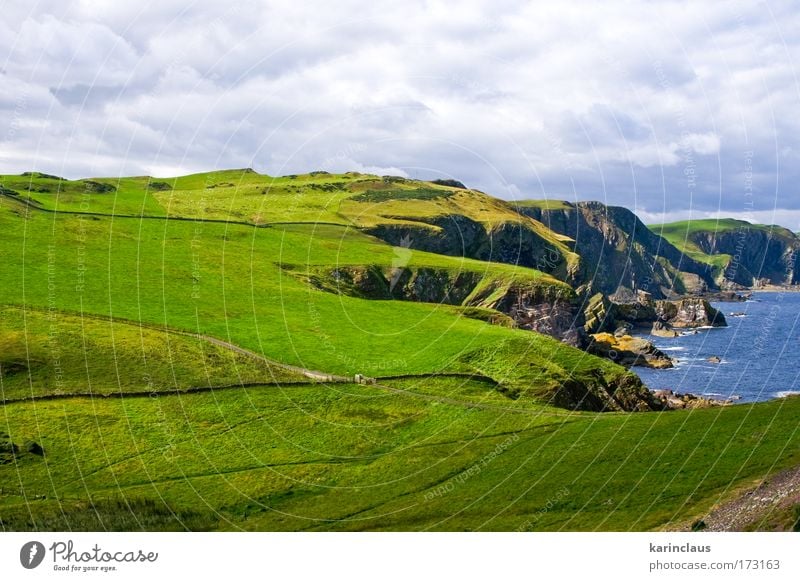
<point x="422" y="215"/>
<point x="48" y="354"/>
<point x="231" y="351"/>
<point x="619" y="254"/>
<point x="322" y="297"/>
<point x="741" y="253"/>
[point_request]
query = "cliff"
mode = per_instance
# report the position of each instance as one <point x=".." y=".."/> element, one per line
<point x="743" y="254"/>
<point x="446" y="218"/>
<point x="619" y="254"/>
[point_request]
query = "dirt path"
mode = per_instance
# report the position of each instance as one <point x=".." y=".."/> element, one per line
<point x="310" y="373"/>
<point x="781" y="492"/>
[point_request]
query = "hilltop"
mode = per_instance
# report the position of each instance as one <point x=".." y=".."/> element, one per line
<point x="558" y="238"/>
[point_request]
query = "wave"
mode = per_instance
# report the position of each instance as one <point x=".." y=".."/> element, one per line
<point x="788" y="393"/>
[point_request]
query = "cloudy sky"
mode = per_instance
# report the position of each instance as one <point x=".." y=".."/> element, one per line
<point x="669" y="108"/>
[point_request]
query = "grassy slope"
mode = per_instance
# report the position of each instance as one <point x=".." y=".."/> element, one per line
<point x="229" y="281"/>
<point x="333" y="457"/>
<point x="45" y="353"/>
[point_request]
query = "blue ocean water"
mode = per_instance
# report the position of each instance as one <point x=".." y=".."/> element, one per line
<point x="760" y="352"/>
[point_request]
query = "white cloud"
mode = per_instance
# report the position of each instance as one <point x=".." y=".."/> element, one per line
<point x="617" y="101"/>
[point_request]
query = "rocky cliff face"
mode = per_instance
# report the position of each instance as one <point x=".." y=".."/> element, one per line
<point x="548" y="311"/>
<point x="757" y="254"/>
<point x="662" y="316"/>
<point x="507" y="242"/>
<point x="619" y="254"/>
<point x="594" y="390"/>
<point x="624" y="394"/>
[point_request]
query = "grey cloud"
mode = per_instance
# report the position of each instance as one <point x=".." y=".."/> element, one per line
<point x="88" y="96"/>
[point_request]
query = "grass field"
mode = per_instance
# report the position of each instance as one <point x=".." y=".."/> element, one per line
<point x="51" y="353"/>
<point x="327" y="457"/>
<point x="202" y="435"/>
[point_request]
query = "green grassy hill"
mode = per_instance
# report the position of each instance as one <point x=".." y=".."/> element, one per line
<point x="247" y="285"/>
<point x="681" y="234"/>
<point x="442" y="218"/>
<point x="147" y="355"/>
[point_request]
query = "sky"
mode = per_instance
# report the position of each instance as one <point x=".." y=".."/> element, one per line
<point x="675" y="110"/>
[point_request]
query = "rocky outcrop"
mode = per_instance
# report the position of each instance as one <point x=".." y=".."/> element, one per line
<point x="450" y="183"/>
<point x="598" y="387"/>
<point x="638" y="314"/>
<point x="690" y="313"/>
<point x="34" y="448"/>
<point x="550" y="309"/>
<point x="681" y="401"/>
<point x="759" y="255"/>
<point x="619" y="254"/>
<point x="628" y="351"/>
<point x="10" y="452"/>
<point x="663" y="329"/>
<point x="598" y="314"/>
<point x="490" y="316"/>
<point x="662" y="318"/>
<point x="626" y="393"/>
<point x="727" y="296"/>
<point x="427" y="285"/>
<point x="8" y="449"/>
<point x="98" y="187"/>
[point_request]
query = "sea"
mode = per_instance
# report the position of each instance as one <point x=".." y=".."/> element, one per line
<point x="759" y="352"/>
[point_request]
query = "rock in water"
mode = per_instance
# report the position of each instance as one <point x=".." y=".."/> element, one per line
<point x="619" y="254"/>
<point x="623" y="330"/>
<point x="680" y="401"/>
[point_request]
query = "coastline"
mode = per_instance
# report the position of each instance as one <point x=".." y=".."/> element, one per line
<point x="748" y="361"/>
